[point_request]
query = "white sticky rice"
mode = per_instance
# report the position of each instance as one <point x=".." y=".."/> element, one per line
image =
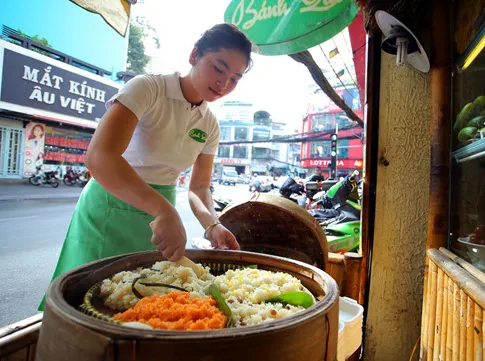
<point x="246" y="289"/>
<point x="117" y="290"/>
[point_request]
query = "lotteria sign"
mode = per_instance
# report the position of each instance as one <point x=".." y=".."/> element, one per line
<point x="281" y="27"/>
<point x="325" y="163"/>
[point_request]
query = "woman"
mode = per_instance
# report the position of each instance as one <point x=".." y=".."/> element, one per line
<point x="155" y="128"/>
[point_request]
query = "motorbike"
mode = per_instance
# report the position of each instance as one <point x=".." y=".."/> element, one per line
<point x="341" y="226"/>
<point x="85" y="177"/>
<point x="337" y="211"/>
<point x="41" y="177"/>
<point x="220" y="203"/>
<point x="72" y="178"/>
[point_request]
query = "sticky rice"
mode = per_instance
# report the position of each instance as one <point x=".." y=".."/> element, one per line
<point x="117" y="290"/>
<point x="246" y="289"/>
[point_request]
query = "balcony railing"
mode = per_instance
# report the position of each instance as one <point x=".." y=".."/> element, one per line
<point x="14" y="37"/>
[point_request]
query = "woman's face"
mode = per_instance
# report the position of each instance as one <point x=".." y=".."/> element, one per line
<point x="217" y="73"/>
<point x="38" y="132"/>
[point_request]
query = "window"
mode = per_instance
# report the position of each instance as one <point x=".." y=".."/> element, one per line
<point x="261" y="134"/>
<point x="241" y="133"/>
<point x="322" y="122"/>
<point x="261" y="153"/>
<point x="224" y="151"/>
<point x="225" y="133"/>
<point x="343" y="148"/>
<point x="342" y="120"/>
<point x="320" y="149"/>
<point x="240" y="151"/>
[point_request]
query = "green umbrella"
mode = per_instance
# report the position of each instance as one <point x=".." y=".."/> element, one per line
<point x="280" y="27"/>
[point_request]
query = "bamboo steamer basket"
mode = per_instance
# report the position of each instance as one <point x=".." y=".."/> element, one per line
<point x="70" y="335"/>
<point x="270" y="224"/>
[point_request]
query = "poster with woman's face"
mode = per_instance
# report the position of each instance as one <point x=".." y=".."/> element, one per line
<point x="34" y="147"/>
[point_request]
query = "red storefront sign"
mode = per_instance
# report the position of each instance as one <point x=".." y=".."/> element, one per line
<point x="233" y="161"/>
<point x="325" y="163"/>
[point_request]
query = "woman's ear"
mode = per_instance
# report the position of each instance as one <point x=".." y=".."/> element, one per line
<point x="193" y="56"/>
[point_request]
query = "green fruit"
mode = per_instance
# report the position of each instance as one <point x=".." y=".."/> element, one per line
<point x="466" y="133"/>
<point x="464" y="116"/>
<point x="479" y="103"/>
<point x="477" y="122"/>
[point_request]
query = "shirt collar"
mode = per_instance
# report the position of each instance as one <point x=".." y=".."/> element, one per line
<point x="174" y="91"/>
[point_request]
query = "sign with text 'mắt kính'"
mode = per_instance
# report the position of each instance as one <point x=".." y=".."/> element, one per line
<point x="280" y="27"/>
<point x="30" y="82"/>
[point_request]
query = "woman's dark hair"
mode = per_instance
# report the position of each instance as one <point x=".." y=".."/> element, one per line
<point x="224" y="36"/>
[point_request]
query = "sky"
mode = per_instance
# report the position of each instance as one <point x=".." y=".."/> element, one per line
<point x="276" y="84"/>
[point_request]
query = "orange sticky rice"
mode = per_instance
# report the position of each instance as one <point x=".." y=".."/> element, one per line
<point x="176" y="311"/>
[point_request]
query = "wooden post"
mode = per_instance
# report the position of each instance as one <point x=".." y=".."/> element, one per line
<point x="440" y="79"/>
<point x="352" y="270"/>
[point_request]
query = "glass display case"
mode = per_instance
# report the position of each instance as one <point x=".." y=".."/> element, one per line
<point x="467" y="181"/>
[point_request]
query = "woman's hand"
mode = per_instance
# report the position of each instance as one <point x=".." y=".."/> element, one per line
<point x="169" y="235"/>
<point x="222" y="238"/>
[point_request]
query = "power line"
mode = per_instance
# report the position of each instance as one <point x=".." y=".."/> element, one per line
<point x="341" y="82"/>
<point x="343" y="60"/>
<point x="295" y="138"/>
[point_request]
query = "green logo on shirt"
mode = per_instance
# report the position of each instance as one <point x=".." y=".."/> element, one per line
<point x="198" y="135"/>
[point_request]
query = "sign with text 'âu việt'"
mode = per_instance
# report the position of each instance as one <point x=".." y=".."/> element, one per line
<point x="279" y="27"/>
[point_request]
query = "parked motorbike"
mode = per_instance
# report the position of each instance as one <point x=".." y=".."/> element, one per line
<point x="85" y="177"/>
<point x="341" y="226"/>
<point x="220" y="203"/>
<point x="338" y="213"/>
<point x="72" y="178"/>
<point x="41" y="177"/>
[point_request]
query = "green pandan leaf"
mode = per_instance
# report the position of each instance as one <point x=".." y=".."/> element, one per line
<point x="221" y="303"/>
<point x="302" y="299"/>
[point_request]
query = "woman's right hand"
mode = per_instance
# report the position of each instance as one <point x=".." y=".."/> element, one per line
<point x="169" y="235"/>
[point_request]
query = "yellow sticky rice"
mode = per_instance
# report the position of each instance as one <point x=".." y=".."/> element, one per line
<point x="245" y="290"/>
<point x="117" y="291"/>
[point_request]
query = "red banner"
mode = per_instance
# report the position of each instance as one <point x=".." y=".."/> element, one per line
<point x="325" y="163"/>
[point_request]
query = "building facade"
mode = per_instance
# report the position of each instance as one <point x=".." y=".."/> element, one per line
<point x="325" y="118"/>
<point x="51" y="98"/>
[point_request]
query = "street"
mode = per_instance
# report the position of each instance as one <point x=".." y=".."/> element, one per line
<point x="32" y="232"/>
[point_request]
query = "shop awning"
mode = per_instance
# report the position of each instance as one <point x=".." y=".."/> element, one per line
<point x="288" y="27"/>
<point x="115" y="12"/>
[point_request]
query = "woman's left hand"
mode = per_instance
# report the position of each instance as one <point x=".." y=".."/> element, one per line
<point x="222" y="238"/>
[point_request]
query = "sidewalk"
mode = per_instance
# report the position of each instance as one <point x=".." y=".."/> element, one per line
<point x="17" y="190"/>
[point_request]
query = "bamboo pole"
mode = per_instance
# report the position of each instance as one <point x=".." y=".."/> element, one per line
<point x="483" y="331"/>
<point x="475" y="272"/>
<point x="477" y="328"/>
<point x="444" y="318"/>
<point x="470" y="338"/>
<point x="463" y="305"/>
<point x="469" y="284"/>
<point x="456" y="321"/>
<point x="424" y="314"/>
<point x="449" y="324"/>
<point x="433" y="273"/>
<point x="439" y="314"/>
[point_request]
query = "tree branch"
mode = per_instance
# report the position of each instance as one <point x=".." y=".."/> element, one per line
<point x="306" y="59"/>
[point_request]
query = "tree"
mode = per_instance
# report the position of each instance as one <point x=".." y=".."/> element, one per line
<point x="262" y="117"/>
<point x="137" y="60"/>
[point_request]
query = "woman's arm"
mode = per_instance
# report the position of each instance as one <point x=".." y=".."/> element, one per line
<point x="104" y="160"/>
<point x="200" y="199"/>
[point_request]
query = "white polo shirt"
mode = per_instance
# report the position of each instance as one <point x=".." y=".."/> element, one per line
<point x="170" y="133"/>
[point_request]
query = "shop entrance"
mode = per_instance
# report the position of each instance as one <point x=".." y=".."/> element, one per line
<point x="11" y="152"/>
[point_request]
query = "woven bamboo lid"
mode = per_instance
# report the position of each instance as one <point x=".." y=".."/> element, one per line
<point x="270" y="224"/>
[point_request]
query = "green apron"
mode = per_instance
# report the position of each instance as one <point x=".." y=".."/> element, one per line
<point x="104" y="226"/>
